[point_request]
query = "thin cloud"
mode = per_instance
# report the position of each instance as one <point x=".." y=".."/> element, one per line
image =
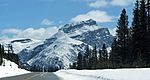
<point x="40" y="34"/>
<point x="98" y="3"/>
<point x="46" y="22"/>
<point x="99" y="16"/>
<point x="11" y="31"/>
<point x="122" y="2"/>
<point x="105" y="3"/>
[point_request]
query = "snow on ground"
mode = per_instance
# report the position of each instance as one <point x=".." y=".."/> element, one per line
<point x="11" y="69"/>
<point x="108" y="74"/>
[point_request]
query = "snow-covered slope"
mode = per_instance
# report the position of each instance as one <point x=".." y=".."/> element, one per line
<point x="74" y="29"/>
<point x="97" y="37"/>
<point x="56" y="52"/>
<point x="19" y="44"/>
<point x="108" y="74"/>
<point x="10" y="69"/>
<point x="59" y="50"/>
<point x="89" y="32"/>
<point x="63" y="47"/>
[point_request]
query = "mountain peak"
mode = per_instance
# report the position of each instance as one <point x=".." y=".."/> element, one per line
<point x="90" y="22"/>
<point x="77" y="28"/>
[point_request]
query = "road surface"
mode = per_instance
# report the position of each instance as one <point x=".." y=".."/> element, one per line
<point x="34" y="76"/>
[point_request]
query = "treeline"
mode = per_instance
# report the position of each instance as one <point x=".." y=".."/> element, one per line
<point x="92" y="59"/>
<point x="8" y="54"/>
<point x="131" y="47"/>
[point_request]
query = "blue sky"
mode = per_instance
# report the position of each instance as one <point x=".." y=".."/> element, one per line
<point x="24" y="14"/>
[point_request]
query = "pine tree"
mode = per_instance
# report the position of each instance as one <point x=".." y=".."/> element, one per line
<point x="94" y="57"/>
<point x="135" y="33"/>
<point x="123" y="37"/>
<point x="84" y="63"/>
<point x="143" y="30"/>
<point x="147" y="56"/>
<point x="104" y="52"/>
<point x="100" y="60"/>
<point x="86" y="58"/>
<point x="105" y="56"/>
<point x="115" y="57"/>
<point x="148" y="14"/>
<point x="90" y="60"/>
<point x="79" y="61"/>
<point x="120" y="47"/>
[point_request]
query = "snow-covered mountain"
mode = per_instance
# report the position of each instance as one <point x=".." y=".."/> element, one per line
<point x="89" y="32"/>
<point x="20" y="43"/>
<point x="57" y="51"/>
<point x="62" y="48"/>
<point x="78" y="28"/>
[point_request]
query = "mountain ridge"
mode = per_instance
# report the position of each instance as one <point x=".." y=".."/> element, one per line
<point x="61" y="49"/>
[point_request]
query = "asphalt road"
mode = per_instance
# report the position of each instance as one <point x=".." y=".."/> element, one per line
<point x="34" y="76"/>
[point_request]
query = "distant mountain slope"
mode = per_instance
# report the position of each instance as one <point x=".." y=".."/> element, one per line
<point x="56" y="52"/>
<point x="61" y="49"/>
<point x="97" y="37"/>
<point x="78" y="28"/>
<point x="89" y="33"/>
<point x="20" y="43"/>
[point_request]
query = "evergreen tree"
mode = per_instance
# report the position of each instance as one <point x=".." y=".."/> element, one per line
<point x="105" y="56"/>
<point x="100" y="55"/>
<point x="86" y="58"/>
<point x="148" y="14"/>
<point x="73" y="66"/>
<point x="79" y="61"/>
<point x="115" y="57"/>
<point x="147" y="56"/>
<point x="100" y="59"/>
<point x="84" y="63"/>
<point x="143" y="31"/>
<point x="123" y="37"/>
<point x="104" y="52"/>
<point x="120" y="47"/>
<point x="1" y="53"/>
<point x="90" y="60"/>
<point x="94" y="57"/>
<point x="135" y="33"/>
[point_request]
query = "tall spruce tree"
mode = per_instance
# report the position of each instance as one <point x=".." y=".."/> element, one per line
<point x="87" y="57"/>
<point x="94" y="57"/>
<point x="142" y="32"/>
<point x="147" y="56"/>
<point x="79" y="61"/>
<point x="105" y="56"/>
<point x="122" y="41"/>
<point x="115" y="57"/>
<point x="100" y="59"/>
<point x="148" y="14"/>
<point x="123" y="36"/>
<point x="104" y="52"/>
<point x="135" y="34"/>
